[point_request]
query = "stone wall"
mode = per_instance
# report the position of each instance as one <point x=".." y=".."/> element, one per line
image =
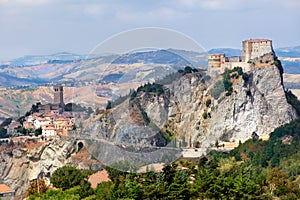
<point x="256" y="48"/>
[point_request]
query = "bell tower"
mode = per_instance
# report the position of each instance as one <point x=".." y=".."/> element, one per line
<point x="58" y="96"/>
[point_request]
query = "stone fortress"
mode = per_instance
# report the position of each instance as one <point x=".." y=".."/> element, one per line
<point x="255" y="52"/>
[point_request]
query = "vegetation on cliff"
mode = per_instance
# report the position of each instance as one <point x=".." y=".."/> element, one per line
<point x="256" y="169"/>
<point x="226" y="83"/>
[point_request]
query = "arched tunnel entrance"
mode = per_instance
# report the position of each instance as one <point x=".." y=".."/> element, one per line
<point x="80" y="145"/>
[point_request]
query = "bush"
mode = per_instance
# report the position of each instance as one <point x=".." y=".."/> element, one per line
<point x="6" y="122"/>
<point x="38" y="131"/>
<point x="66" y="177"/>
<point x="188" y="70"/>
<point x="208" y="102"/>
<point x="3" y="133"/>
<point x="103" y="190"/>
<point x="245" y="77"/>
<point x="205" y="115"/>
<point x="37" y="186"/>
<point x="229" y="91"/>
<point x="217" y="89"/>
<point x="293" y="100"/>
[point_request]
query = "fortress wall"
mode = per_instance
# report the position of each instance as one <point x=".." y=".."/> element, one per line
<point x="235" y="59"/>
<point x="256" y="48"/>
<point x="259" y="49"/>
<point x="230" y="65"/>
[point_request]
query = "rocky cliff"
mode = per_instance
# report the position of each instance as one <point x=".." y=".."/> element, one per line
<point x="187" y="113"/>
<point x="181" y="113"/>
<point x="20" y="165"/>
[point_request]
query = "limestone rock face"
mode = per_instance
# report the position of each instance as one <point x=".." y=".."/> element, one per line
<point x="257" y="105"/>
<point x="22" y="165"/>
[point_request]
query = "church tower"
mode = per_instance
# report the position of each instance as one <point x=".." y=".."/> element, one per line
<point x="58" y="96"/>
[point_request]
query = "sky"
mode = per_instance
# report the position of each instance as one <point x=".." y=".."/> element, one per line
<point x="40" y="27"/>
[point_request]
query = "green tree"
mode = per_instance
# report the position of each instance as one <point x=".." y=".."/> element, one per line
<point x="103" y="190"/>
<point x="208" y="102"/>
<point x="38" y="131"/>
<point x="37" y="186"/>
<point x="188" y="70"/>
<point x="3" y="133"/>
<point x="6" y="122"/>
<point x="85" y="189"/>
<point x="66" y="177"/>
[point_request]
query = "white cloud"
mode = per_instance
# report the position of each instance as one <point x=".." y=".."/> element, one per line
<point x="93" y="9"/>
<point x="291" y="3"/>
<point x="221" y="4"/>
<point x="166" y="12"/>
<point x="234" y="4"/>
<point x="156" y="14"/>
<point x="188" y="3"/>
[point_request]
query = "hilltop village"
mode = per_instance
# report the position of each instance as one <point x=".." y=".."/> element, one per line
<point x="44" y="121"/>
<point x="51" y="118"/>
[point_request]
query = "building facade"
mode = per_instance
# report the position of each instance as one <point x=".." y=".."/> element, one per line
<point x="256" y="48"/>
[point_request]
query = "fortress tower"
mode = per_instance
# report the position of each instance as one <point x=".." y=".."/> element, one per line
<point x="256" y="48"/>
<point x="58" y="96"/>
<point x="215" y="60"/>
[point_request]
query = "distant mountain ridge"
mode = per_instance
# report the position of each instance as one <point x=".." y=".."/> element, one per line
<point x="67" y="67"/>
<point x="227" y="51"/>
<point x="40" y="59"/>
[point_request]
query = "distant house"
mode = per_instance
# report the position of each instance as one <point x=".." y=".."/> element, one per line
<point x="48" y="131"/>
<point x="41" y="122"/>
<point x="6" y="193"/>
<point x="28" y="125"/>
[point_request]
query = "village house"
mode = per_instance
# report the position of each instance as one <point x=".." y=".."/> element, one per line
<point x="52" y="119"/>
<point x="6" y="193"/>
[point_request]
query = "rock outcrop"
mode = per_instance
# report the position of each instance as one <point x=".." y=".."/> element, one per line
<point x="39" y="160"/>
<point x="258" y="105"/>
<point x="187" y="111"/>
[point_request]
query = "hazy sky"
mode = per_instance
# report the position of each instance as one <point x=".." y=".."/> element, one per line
<point x="29" y="27"/>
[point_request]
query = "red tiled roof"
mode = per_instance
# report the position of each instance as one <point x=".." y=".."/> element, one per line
<point x="4" y="188"/>
<point x="257" y="40"/>
<point x="217" y="54"/>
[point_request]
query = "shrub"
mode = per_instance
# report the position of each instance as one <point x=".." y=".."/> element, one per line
<point x="208" y="102"/>
<point x="37" y="186"/>
<point x="217" y="89"/>
<point x="188" y="70"/>
<point x="66" y="177"/>
<point x="245" y="77"/>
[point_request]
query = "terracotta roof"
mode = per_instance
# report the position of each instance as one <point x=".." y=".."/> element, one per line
<point x="98" y="177"/>
<point x="257" y="40"/>
<point x="49" y="128"/>
<point x="61" y="119"/>
<point x="217" y="54"/>
<point x="4" y="188"/>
